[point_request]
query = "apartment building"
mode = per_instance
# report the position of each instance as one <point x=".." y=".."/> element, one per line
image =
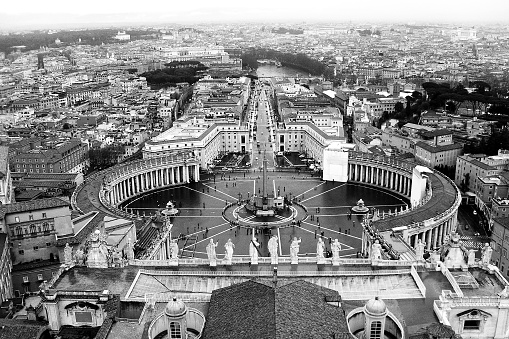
<point x="33" y="228"/>
<point x="54" y="156"/>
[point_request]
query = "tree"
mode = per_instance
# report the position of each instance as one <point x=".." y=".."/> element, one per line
<point x="398" y="107"/>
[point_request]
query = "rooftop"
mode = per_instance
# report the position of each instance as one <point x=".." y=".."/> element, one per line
<point x="444" y="195"/>
<point x="259" y="310"/>
<point x="436" y="149"/>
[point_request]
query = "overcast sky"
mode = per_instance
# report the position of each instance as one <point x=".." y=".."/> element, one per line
<point x="52" y="13"/>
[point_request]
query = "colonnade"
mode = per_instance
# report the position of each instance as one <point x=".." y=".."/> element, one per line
<point x="434" y="237"/>
<point x="388" y="178"/>
<point x="146" y="179"/>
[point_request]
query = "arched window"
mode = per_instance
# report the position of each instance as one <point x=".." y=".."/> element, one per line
<point x="175" y="332"/>
<point x="19" y="230"/>
<point x="45" y="226"/>
<point x="376" y="330"/>
<point x="33" y="229"/>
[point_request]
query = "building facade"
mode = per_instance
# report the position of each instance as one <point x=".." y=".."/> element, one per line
<point x="5" y="269"/>
<point x="33" y="228"/>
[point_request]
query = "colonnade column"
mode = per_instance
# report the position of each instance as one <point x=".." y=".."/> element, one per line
<point x="428" y="240"/>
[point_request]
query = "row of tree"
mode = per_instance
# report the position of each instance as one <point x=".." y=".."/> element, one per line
<point x="176" y="72"/>
<point x="101" y="158"/>
<point x="299" y="61"/>
<point x="452" y="98"/>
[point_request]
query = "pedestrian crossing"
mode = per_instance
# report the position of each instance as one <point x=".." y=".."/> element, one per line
<point x="473" y="242"/>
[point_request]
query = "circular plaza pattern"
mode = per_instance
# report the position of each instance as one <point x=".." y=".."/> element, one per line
<point x="210" y="209"/>
<point x="145" y="186"/>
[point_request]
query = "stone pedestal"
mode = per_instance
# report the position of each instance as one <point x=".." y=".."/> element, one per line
<point x="274" y="260"/>
<point x="335" y="261"/>
<point x="173" y="262"/>
<point x="320" y="260"/>
<point x="227" y="261"/>
<point x="213" y="263"/>
<point x="295" y="261"/>
<point x="254" y="261"/>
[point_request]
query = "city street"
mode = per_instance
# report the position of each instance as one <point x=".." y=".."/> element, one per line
<point x="263" y="143"/>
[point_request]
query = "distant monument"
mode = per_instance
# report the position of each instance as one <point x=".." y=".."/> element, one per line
<point x="273" y="248"/>
<point x="97" y="256"/>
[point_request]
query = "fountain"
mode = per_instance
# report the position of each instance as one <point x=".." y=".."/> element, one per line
<point x="170" y="210"/>
<point x="360" y="208"/>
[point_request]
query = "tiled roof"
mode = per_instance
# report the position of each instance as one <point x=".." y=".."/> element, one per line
<point x="21" y="329"/>
<point x="255" y="310"/>
<point x="437" y="149"/>
<point x="435" y="133"/>
<point x="39" y="204"/>
<point x="482" y="165"/>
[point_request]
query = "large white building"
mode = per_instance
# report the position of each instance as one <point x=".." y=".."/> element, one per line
<point x="206" y="139"/>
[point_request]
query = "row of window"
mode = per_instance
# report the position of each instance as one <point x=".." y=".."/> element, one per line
<point x="39" y="277"/>
<point x="30" y="217"/>
<point x="33" y="228"/>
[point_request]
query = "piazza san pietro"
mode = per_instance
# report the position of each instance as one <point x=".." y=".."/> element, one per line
<point x="262" y="180"/>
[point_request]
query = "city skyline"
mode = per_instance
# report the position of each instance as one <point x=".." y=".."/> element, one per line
<point x="57" y="13"/>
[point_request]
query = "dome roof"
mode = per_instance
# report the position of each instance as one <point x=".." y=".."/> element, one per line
<point x="175" y="308"/>
<point x="375" y="306"/>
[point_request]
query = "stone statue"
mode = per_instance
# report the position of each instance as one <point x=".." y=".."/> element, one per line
<point x="211" y="251"/>
<point x="486" y="254"/>
<point x="97" y="256"/>
<point x="116" y="257"/>
<point x="419" y="250"/>
<point x="68" y="255"/>
<point x="253" y="251"/>
<point x="228" y="255"/>
<point x="273" y="248"/>
<point x="294" y="250"/>
<point x="174" y="249"/>
<point x="471" y="257"/>
<point x="130" y="249"/>
<point x="320" y="247"/>
<point x="79" y="257"/>
<point x="335" y="248"/>
<point x="376" y="250"/>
